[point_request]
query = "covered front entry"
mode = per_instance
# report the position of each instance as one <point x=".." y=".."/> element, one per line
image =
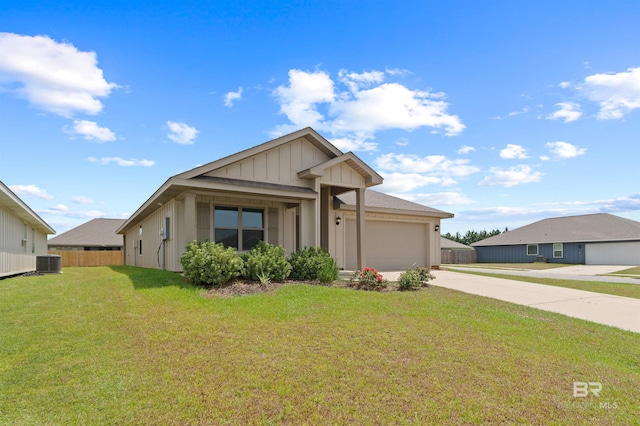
<point x="390" y="245"/>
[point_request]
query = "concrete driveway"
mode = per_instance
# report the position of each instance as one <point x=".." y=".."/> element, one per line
<point x="615" y="311"/>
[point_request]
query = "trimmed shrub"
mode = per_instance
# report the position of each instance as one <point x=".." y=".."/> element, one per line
<point x="265" y="263"/>
<point x="369" y="279"/>
<point x="414" y="278"/>
<point x="210" y="264"/>
<point x="328" y="271"/>
<point x="307" y="264"/>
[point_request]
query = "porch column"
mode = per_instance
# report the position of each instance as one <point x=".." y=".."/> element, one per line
<point x="190" y="228"/>
<point x="361" y="263"/>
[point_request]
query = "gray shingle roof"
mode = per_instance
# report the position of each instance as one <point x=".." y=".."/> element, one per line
<point x="446" y="243"/>
<point x="95" y="233"/>
<point x="571" y="229"/>
<point x="377" y="199"/>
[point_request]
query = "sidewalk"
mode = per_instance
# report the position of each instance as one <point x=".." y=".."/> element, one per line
<point x="615" y="311"/>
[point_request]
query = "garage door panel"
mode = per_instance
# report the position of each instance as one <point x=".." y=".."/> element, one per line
<point x="389" y="245"/>
<point x="621" y="253"/>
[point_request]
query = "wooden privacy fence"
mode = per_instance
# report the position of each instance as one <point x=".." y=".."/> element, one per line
<point x="89" y="257"/>
<point x="449" y="256"/>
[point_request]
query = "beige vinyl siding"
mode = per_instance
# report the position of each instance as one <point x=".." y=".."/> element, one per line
<point x="151" y="239"/>
<point x="343" y="175"/>
<point x="17" y="256"/>
<point x="278" y="165"/>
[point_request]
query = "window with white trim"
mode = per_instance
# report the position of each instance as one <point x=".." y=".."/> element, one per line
<point x="238" y="227"/>
<point x="558" y="250"/>
<point x="532" y="249"/>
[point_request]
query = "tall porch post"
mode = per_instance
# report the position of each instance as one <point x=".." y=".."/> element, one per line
<point x="360" y="215"/>
<point x="190" y="224"/>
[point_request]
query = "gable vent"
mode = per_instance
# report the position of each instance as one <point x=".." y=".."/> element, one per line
<point x="49" y="264"/>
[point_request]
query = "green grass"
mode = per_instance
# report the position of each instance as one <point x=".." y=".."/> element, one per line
<point x="133" y="346"/>
<point x="629" y="272"/>
<point x="536" y="266"/>
<point x="616" y="289"/>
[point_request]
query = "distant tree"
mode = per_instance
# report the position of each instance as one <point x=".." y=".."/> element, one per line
<point x="472" y="236"/>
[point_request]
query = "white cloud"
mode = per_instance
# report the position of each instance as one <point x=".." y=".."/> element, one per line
<point x="513" y="152"/>
<point x="299" y="100"/>
<point x="524" y="110"/>
<point x="231" y="97"/>
<point x="405" y="182"/>
<point x="616" y="93"/>
<point x="565" y="84"/>
<point x="393" y="106"/>
<point x="438" y="164"/>
<point x="569" y="111"/>
<point x="121" y="161"/>
<point x="402" y="142"/>
<point x="465" y="149"/>
<point x="528" y="214"/>
<point x="511" y="177"/>
<point x="30" y="191"/>
<point x="90" y="131"/>
<point x="355" y="81"/>
<point x="565" y="150"/>
<point x="353" y="144"/>
<point x="368" y="105"/>
<point x="181" y="133"/>
<point x="437" y="199"/>
<point x="80" y="199"/>
<point x="55" y="77"/>
<point x="60" y="208"/>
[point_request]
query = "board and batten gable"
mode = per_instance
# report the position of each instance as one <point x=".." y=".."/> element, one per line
<point x="278" y="165"/>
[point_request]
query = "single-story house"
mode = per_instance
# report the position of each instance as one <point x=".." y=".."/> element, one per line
<point x="94" y="235"/>
<point x="592" y="239"/>
<point x="455" y="252"/>
<point x="296" y="191"/>
<point x="23" y="235"/>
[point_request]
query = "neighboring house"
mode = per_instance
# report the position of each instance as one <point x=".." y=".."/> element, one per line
<point x="95" y="235"/>
<point x="23" y="235"/>
<point x="296" y="191"/>
<point x="593" y="239"/>
<point x="455" y="252"/>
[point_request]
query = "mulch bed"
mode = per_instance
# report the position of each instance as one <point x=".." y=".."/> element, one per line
<point x="244" y="288"/>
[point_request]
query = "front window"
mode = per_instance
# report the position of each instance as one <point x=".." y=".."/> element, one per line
<point x="558" y="250"/>
<point x="532" y="249"/>
<point x="240" y="228"/>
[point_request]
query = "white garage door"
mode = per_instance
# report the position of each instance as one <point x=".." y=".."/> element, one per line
<point x="623" y="253"/>
<point x="389" y="245"/>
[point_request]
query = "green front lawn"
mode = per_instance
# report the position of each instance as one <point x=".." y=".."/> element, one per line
<point x="136" y="346"/>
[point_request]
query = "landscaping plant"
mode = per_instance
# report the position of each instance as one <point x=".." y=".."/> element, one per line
<point x="307" y="263"/>
<point x="210" y="264"/>
<point x="265" y="263"/>
<point x="369" y="279"/>
<point x="414" y="278"/>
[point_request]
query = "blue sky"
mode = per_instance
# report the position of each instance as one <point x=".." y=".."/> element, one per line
<point x="501" y="112"/>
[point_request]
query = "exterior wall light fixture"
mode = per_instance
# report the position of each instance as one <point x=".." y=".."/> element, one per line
<point x="338" y="220"/>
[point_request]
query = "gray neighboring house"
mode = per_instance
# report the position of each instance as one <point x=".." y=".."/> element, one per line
<point x="23" y="235"/>
<point x="97" y="234"/>
<point x="593" y="239"/>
